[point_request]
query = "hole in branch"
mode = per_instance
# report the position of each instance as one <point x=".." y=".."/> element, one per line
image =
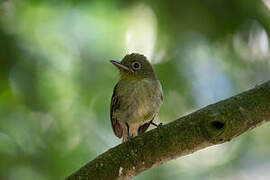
<point x="217" y="125"/>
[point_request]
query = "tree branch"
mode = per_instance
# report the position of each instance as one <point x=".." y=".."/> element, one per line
<point x="214" y="124"/>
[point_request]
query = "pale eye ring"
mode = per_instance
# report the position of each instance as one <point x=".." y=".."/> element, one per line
<point x="136" y="65"/>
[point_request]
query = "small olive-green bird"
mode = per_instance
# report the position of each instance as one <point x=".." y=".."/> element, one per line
<point x="136" y="98"/>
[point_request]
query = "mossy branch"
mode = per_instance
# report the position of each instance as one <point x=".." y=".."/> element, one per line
<point x="214" y="124"/>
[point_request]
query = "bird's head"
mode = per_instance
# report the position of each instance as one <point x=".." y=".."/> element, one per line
<point x="134" y="66"/>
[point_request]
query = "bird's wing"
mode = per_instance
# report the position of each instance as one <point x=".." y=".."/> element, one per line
<point x="117" y="129"/>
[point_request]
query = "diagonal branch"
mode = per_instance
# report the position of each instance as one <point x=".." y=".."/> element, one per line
<point x="214" y="124"/>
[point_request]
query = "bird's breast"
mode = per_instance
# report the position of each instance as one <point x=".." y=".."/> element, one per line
<point x="141" y="100"/>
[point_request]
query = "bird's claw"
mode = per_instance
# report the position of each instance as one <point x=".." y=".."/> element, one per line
<point x="129" y="138"/>
<point x="159" y="125"/>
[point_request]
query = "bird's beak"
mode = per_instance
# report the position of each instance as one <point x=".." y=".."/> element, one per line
<point x="119" y="65"/>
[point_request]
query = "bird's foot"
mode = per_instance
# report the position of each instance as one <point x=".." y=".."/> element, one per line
<point x="129" y="138"/>
<point x="157" y="125"/>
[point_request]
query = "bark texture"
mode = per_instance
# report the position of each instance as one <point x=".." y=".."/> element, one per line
<point x="214" y="124"/>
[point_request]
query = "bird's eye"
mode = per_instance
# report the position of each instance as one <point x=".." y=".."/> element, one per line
<point x="136" y="65"/>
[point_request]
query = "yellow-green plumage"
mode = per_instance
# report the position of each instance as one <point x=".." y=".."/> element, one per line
<point x="137" y="96"/>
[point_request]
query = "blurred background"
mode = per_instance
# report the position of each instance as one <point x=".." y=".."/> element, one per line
<point x="56" y="80"/>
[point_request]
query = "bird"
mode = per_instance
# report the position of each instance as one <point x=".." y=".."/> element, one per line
<point x="136" y="98"/>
